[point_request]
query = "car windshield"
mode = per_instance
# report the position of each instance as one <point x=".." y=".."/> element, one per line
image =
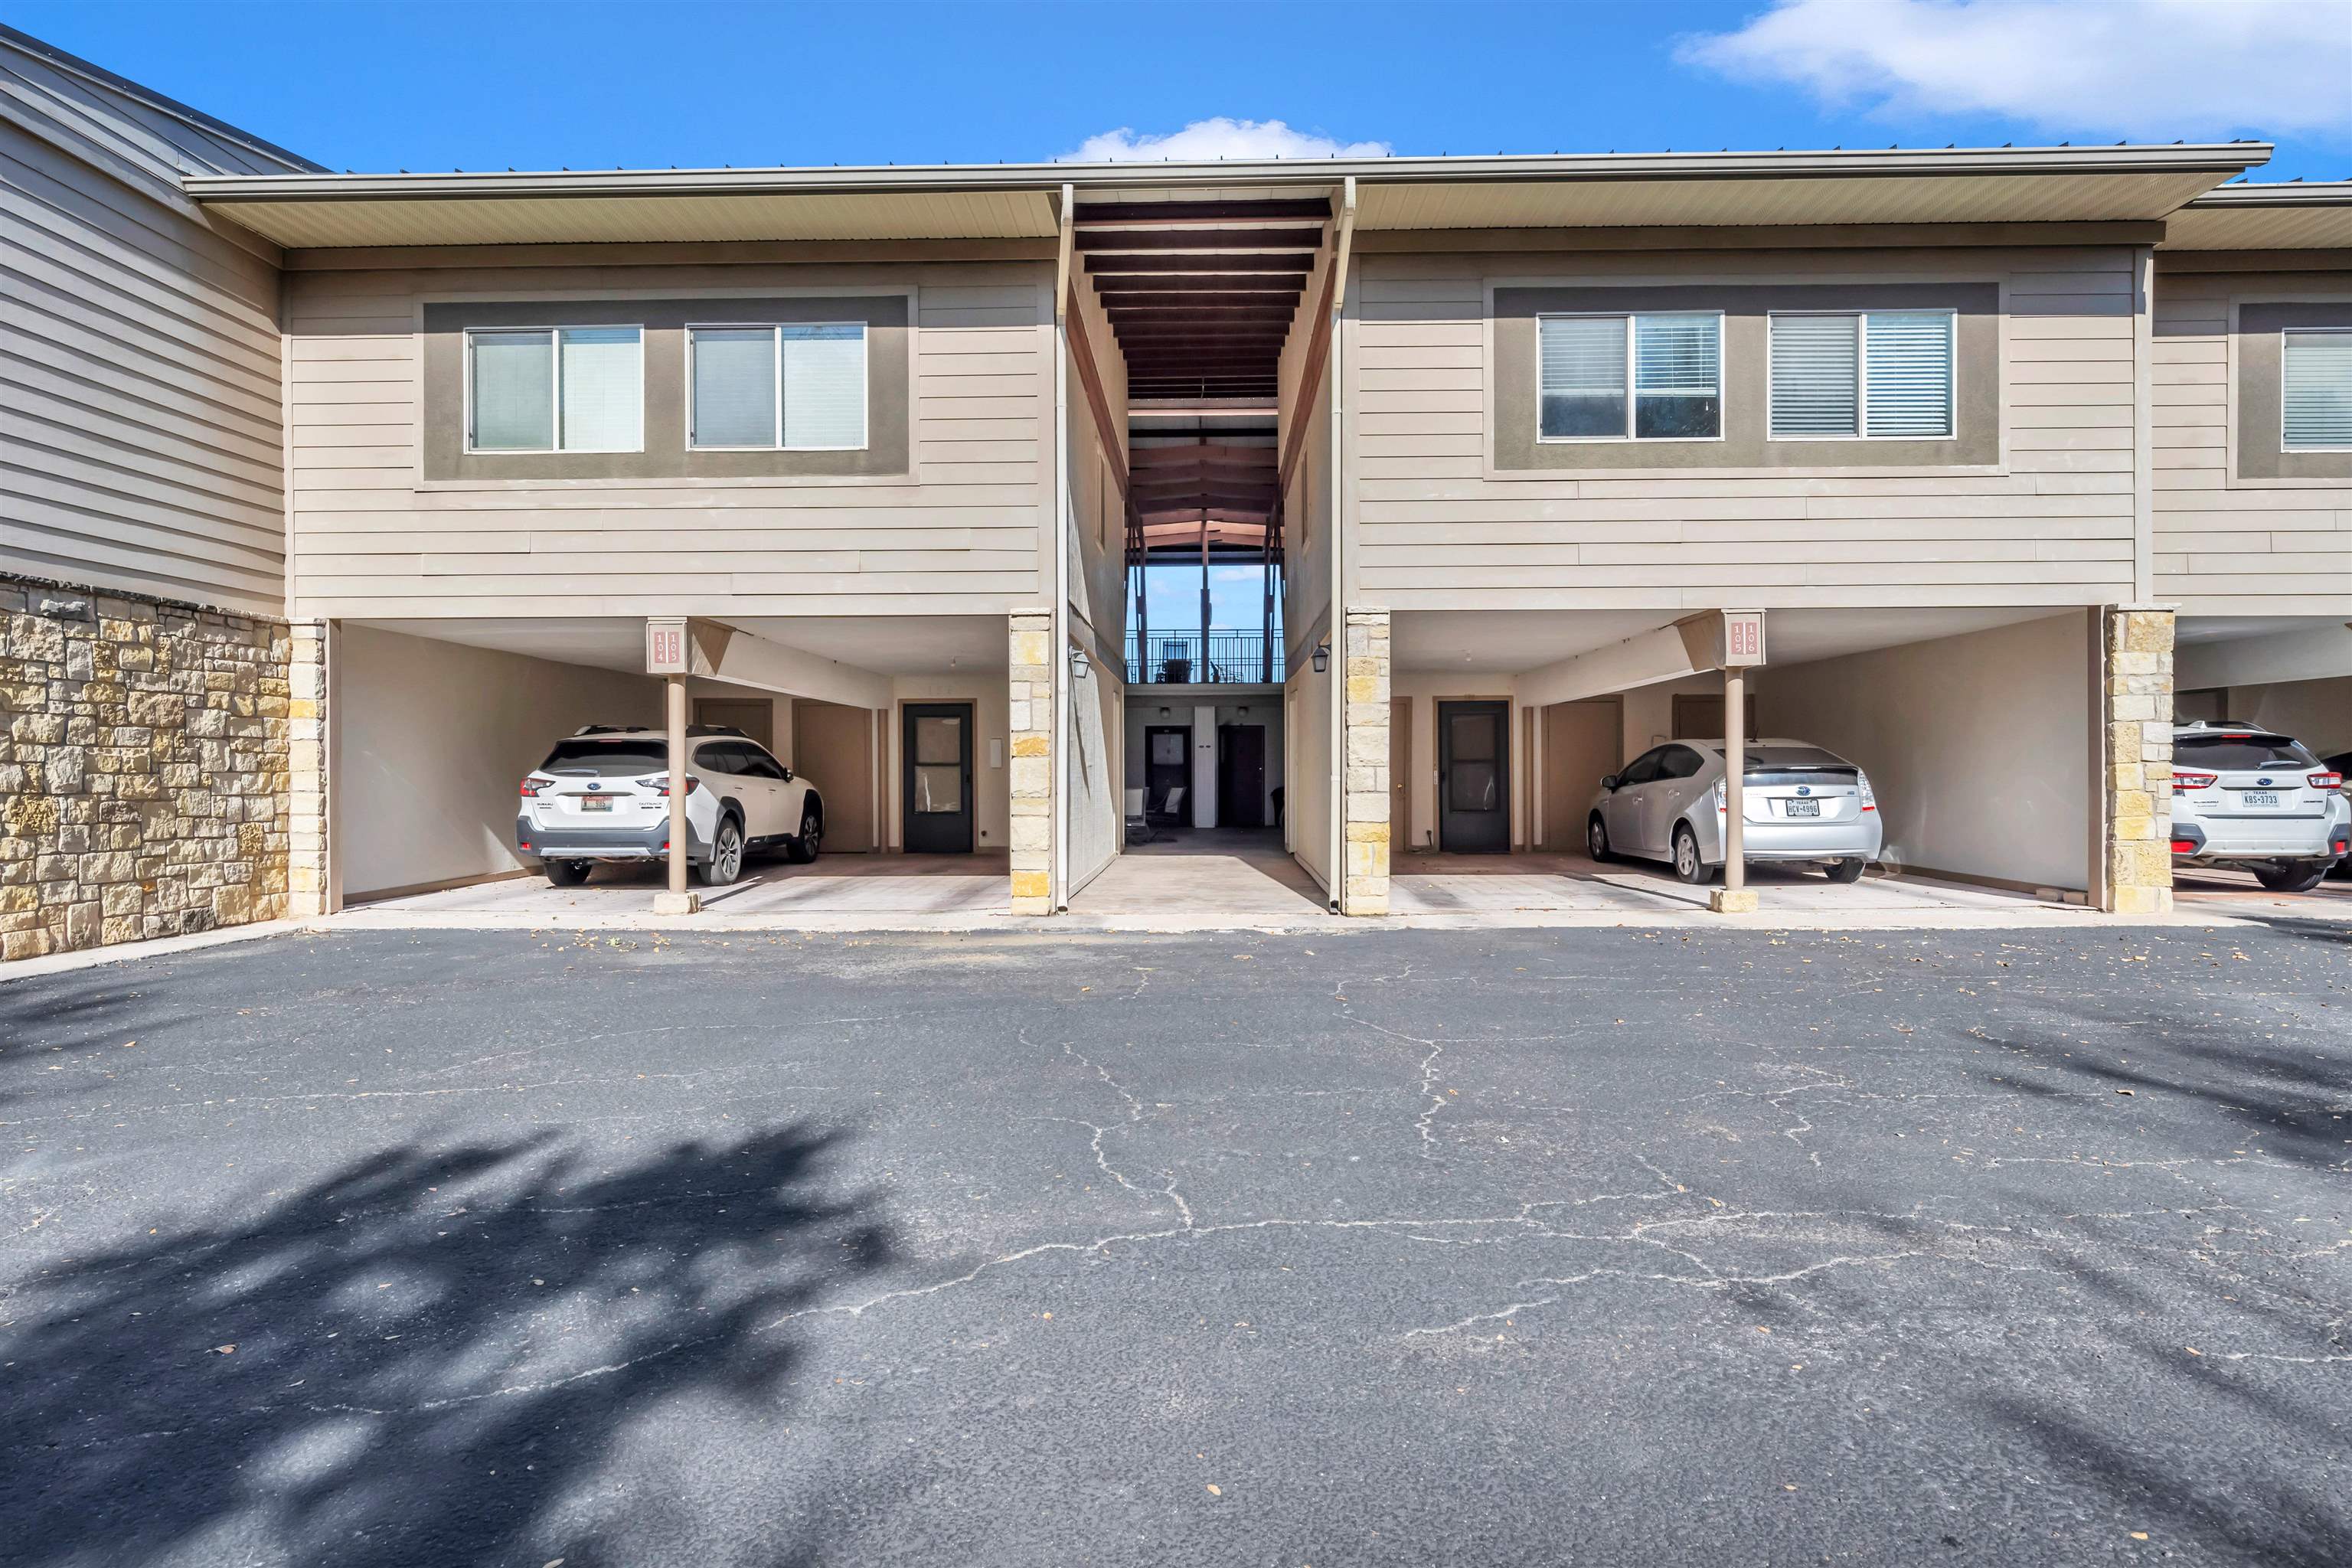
<point x="2231" y="750"/>
<point x="605" y="758"/>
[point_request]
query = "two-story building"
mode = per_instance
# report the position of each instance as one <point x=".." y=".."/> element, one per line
<point x="1519" y="452"/>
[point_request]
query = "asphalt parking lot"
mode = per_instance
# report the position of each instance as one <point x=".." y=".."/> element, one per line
<point x="1538" y="1246"/>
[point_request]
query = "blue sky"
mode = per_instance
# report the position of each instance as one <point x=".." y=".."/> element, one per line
<point x="488" y="86"/>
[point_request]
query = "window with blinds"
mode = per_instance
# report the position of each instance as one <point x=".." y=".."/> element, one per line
<point x="799" y="386"/>
<point x="1640" y="377"/>
<point x="1884" y="374"/>
<point x="555" y="389"/>
<point x="2316" y="399"/>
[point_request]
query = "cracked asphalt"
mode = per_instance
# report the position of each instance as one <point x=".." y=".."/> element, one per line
<point x="1590" y="1247"/>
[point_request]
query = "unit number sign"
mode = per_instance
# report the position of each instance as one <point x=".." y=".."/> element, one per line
<point x="666" y="648"/>
<point x="1743" y="636"/>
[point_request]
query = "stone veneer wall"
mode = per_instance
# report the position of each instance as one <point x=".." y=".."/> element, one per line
<point x="2137" y="804"/>
<point x="143" y="768"/>
<point x="1032" y="724"/>
<point x="1364" y="793"/>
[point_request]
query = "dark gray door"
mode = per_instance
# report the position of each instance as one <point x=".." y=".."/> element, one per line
<point x="937" y="745"/>
<point x="1474" y="777"/>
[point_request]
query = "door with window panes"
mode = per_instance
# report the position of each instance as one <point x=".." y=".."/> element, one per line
<point x="936" y="741"/>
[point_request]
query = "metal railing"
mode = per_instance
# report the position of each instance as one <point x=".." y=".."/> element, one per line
<point x="1176" y="659"/>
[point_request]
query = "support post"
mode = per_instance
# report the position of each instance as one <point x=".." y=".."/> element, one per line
<point x="1733" y="897"/>
<point x="678" y="899"/>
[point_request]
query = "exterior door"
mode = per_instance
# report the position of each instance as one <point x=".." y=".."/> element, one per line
<point x="833" y="748"/>
<point x="1698" y="716"/>
<point x="755" y="716"/>
<point x="937" y="746"/>
<point x="1581" y="745"/>
<point x="1241" y="775"/>
<point x="1474" y="777"/>
<point x="1166" y="765"/>
<point x="1400" y="772"/>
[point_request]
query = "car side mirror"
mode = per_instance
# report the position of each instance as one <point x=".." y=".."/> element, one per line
<point x="788" y="773"/>
<point x="1609" y="783"/>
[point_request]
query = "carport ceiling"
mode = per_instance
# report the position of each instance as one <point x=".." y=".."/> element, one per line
<point x="1509" y="642"/>
<point x="886" y="645"/>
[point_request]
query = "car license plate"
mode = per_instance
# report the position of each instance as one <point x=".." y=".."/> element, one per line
<point x="1801" y="807"/>
<point x="2260" y="800"/>
<point x="595" y="803"/>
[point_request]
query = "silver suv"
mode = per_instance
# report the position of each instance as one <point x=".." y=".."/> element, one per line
<point x="2243" y="796"/>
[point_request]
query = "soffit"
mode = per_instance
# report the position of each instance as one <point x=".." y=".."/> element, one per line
<point x="2265" y="218"/>
<point x="1991" y="198"/>
<point x="600" y="219"/>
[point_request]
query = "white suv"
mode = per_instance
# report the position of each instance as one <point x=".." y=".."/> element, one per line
<point x="604" y="795"/>
<point x="2241" y="795"/>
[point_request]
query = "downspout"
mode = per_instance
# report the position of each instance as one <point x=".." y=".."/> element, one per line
<point x="1336" y="364"/>
<point x="1060" y="881"/>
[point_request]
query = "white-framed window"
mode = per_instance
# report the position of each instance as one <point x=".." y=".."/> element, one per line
<point x="797" y="386"/>
<point x="555" y="389"/>
<point x="2316" y="389"/>
<point x="1861" y="374"/>
<point x="1635" y="376"/>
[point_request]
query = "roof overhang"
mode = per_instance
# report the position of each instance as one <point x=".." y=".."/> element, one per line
<point x="2316" y="215"/>
<point x="2020" y="184"/>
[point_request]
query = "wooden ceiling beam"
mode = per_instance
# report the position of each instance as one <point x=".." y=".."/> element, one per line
<point x="1116" y="283"/>
<point x="1263" y="262"/>
<point x="1087" y="215"/>
<point x="1092" y="241"/>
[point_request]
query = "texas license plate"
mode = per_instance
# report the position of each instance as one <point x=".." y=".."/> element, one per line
<point x="1803" y="807"/>
<point x="2260" y="800"/>
<point x="595" y="803"/>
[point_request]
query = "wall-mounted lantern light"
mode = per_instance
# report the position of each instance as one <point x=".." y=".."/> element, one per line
<point x="1323" y="656"/>
<point x="1080" y="665"/>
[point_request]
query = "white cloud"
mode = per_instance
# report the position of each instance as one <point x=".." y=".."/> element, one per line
<point x="1206" y="141"/>
<point x="2141" y="69"/>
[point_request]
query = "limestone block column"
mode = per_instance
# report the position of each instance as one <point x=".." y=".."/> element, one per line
<point x="2136" y="796"/>
<point x="1364" y="759"/>
<point x="307" y="885"/>
<point x="1032" y="770"/>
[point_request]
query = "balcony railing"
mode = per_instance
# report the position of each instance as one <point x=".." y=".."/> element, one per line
<point x="1176" y="659"/>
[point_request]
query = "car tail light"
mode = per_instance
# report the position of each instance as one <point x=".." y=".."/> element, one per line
<point x="660" y="785"/>
<point x="2326" y="781"/>
<point x="2184" y="846"/>
<point x="1869" y="796"/>
<point x="2183" y="783"/>
<point x="530" y="788"/>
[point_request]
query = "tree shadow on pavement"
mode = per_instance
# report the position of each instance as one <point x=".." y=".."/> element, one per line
<point x="429" y="1357"/>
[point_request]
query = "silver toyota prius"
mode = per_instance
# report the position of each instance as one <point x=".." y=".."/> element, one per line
<point x="1802" y="804"/>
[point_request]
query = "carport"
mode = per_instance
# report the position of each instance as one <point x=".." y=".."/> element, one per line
<point x="1977" y="728"/>
<point x="901" y="723"/>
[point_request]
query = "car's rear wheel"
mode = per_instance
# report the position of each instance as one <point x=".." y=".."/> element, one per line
<point x="2291" y="876"/>
<point x="567" y="873"/>
<point x="1847" y="870"/>
<point x="1687" y="865"/>
<point x="802" y="850"/>
<point x="726" y="861"/>
<point x="1596" y="839"/>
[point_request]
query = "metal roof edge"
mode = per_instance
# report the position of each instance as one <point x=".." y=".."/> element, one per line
<point x="76" y="66"/>
<point x="2217" y="159"/>
<point x="2279" y="193"/>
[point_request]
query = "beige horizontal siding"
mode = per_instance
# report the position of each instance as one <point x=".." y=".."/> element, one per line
<point x="963" y="533"/>
<point x="140" y="392"/>
<point x="2052" y="524"/>
<point x="2223" y="548"/>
